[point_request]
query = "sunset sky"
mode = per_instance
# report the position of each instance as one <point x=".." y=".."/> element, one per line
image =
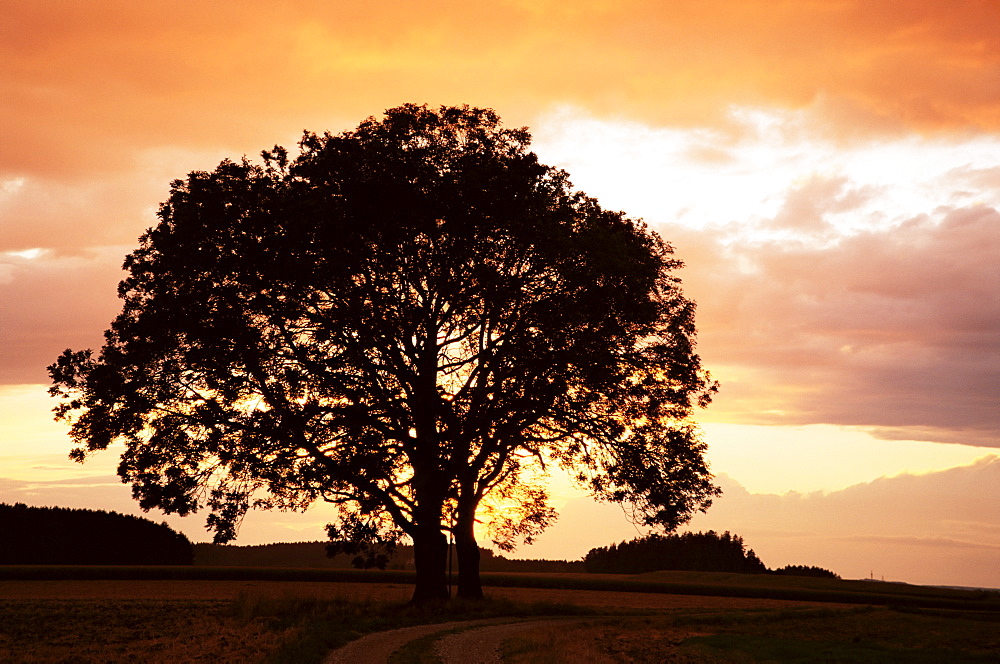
<point x="829" y="171"/>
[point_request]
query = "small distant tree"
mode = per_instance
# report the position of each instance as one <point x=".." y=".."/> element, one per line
<point x="708" y="552"/>
<point x="410" y="320"/>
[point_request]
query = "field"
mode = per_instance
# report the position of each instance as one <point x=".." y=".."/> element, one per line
<point x="194" y="614"/>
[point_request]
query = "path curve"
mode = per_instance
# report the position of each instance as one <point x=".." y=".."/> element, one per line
<point x="377" y="647"/>
<point x="481" y="645"/>
<point x="478" y="642"/>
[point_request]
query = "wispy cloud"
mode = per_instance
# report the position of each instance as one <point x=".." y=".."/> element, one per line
<point x="897" y="330"/>
<point x="931" y="542"/>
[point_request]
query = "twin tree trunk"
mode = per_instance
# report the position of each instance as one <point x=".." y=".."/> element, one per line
<point x="430" y="556"/>
<point x="430" y="546"/>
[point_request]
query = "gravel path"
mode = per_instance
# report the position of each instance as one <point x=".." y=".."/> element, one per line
<point x="376" y="648"/>
<point x="478" y="643"/>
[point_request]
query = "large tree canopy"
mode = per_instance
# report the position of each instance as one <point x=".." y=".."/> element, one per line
<point x="405" y="320"/>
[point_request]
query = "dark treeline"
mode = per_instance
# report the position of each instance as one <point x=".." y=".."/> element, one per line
<point x="313" y="554"/>
<point x="702" y="552"/>
<point x="806" y="570"/>
<point x="64" y="536"/>
<point x="500" y="564"/>
<point x="705" y="552"/>
<point x="283" y="554"/>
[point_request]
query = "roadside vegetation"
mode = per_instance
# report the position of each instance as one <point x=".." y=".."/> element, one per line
<point x="860" y="634"/>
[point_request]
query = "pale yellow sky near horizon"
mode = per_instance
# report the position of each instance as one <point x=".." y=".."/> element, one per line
<point x="762" y="459"/>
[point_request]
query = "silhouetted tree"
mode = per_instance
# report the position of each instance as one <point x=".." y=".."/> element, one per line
<point x="706" y="552"/>
<point x="63" y="536"/>
<point x="405" y="319"/>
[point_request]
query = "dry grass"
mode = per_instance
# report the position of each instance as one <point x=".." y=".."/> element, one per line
<point x="165" y="621"/>
<point x="133" y="631"/>
<point x="554" y="643"/>
<point x="802" y="635"/>
<point x="224" y="621"/>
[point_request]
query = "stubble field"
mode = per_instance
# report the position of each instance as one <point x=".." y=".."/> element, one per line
<point x="247" y="620"/>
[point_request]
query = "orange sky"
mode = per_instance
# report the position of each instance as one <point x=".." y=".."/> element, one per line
<point x="828" y="169"/>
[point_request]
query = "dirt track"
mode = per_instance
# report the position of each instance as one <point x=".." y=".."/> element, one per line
<point x="482" y="645"/>
<point x="377" y="648"/>
<point x="464" y="642"/>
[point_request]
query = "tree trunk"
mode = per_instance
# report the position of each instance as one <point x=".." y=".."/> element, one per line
<point x="467" y="550"/>
<point x="430" y="555"/>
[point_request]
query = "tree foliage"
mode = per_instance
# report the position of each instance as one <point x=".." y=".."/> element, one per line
<point x="64" y="536"/>
<point x="412" y="320"/>
<point x="704" y="552"/>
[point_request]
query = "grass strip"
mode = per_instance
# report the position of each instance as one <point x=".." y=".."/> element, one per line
<point x="421" y="651"/>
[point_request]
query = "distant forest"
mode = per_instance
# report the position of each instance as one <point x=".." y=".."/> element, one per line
<point x="313" y="554"/>
<point x="706" y="552"/>
<point x="702" y="552"/>
<point x="63" y="536"/>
